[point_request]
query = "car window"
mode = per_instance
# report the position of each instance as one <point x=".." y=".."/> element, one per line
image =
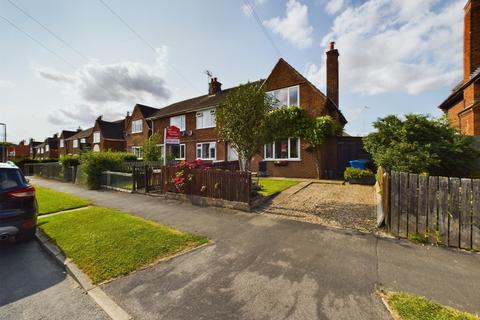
<point x="11" y="178"/>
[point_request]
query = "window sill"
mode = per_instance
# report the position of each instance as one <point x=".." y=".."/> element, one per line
<point x="137" y="132"/>
<point x="206" y="128"/>
<point x="287" y="160"/>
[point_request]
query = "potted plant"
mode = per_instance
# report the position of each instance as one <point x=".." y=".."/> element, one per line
<point x="359" y="176"/>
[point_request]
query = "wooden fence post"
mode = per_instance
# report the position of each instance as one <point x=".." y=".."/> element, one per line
<point x="145" y="168"/>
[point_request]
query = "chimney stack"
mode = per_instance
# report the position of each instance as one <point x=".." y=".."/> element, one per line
<point x="471" y="39"/>
<point x="332" y="74"/>
<point x="214" y="87"/>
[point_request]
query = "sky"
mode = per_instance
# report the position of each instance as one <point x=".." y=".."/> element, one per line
<point x="63" y="62"/>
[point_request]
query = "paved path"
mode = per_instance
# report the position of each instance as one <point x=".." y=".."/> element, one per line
<point x="266" y="267"/>
<point x="33" y="286"/>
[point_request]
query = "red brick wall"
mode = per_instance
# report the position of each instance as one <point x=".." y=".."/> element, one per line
<point x="471" y="38"/>
<point x="136" y="139"/>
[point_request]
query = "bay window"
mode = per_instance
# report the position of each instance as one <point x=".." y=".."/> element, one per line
<point x="137" y="126"/>
<point x="206" y="119"/>
<point x="207" y="150"/>
<point x="179" y="122"/>
<point x="286" y="97"/>
<point x="286" y="149"/>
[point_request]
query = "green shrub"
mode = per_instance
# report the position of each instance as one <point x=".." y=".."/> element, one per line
<point x="69" y="160"/>
<point x="355" y="173"/>
<point x="94" y="163"/>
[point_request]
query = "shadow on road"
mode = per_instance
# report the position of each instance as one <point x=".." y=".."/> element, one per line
<point x="26" y="269"/>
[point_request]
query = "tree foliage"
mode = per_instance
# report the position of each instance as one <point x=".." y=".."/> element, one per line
<point x="150" y="149"/>
<point x="241" y="120"/>
<point x="420" y="144"/>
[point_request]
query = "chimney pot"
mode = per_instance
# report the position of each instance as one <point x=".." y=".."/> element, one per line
<point x="332" y="45"/>
<point x="214" y="87"/>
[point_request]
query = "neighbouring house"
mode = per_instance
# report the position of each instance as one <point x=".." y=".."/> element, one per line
<point x="199" y="140"/>
<point x="463" y="105"/>
<point x="32" y="146"/>
<point x="22" y="150"/>
<point x="79" y="142"/>
<point x="63" y="147"/>
<point x="108" y="135"/>
<point x="48" y="149"/>
<point x="138" y="128"/>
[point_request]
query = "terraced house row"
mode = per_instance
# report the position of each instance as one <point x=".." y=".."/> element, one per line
<point x="199" y="139"/>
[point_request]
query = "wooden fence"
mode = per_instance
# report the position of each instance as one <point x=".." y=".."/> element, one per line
<point x="211" y="183"/>
<point x="433" y="209"/>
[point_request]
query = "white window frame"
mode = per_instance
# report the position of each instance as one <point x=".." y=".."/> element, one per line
<point x="201" y="115"/>
<point x="47" y="148"/>
<point x="182" y="146"/>
<point x="181" y="119"/>
<point x="137" y="126"/>
<point x="75" y="143"/>
<point x="62" y="143"/>
<point x="272" y="93"/>
<point x="138" y="154"/>
<point x="200" y="147"/>
<point x="83" y="140"/>
<point x="273" y="158"/>
<point x="96" y="137"/>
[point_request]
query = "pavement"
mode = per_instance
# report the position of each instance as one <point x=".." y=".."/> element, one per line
<point x="268" y="267"/>
<point x="33" y="286"/>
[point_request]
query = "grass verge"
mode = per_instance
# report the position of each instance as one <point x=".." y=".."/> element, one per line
<point x="50" y="201"/>
<point x="107" y="243"/>
<point x="273" y="186"/>
<point x="411" y="307"/>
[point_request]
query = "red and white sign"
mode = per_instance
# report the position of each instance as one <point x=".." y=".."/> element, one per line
<point x="172" y="135"/>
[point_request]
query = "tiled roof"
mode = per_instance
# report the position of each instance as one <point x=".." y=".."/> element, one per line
<point x="193" y="104"/>
<point x="67" y="133"/>
<point x="112" y="130"/>
<point x="146" y="111"/>
<point x="80" y="135"/>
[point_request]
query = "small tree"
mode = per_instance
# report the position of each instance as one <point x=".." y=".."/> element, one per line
<point x="150" y="150"/>
<point x="420" y="144"/>
<point x="241" y="119"/>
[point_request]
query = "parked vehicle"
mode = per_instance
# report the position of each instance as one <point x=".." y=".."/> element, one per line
<point x="18" y="205"/>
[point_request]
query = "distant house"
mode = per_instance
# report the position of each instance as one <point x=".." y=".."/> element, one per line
<point x="32" y="146"/>
<point x="22" y="150"/>
<point x="79" y="142"/>
<point x="48" y="149"/>
<point x="62" y="143"/>
<point x="199" y="139"/>
<point x="138" y="128"/>
<point x="462" y="106"/>
<point x="108" y="135"/>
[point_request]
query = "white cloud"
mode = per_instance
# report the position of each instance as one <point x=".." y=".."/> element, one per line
<point x="396" y="46"/>
<point x="104" y="89"/>
<point x="247" y="10"/>
<point x="334" y="6"/>
<point x="6" y="84"/>
<point x="294" y="27"/>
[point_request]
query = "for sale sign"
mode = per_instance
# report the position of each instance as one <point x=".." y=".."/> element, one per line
<point x="172" y="135"/>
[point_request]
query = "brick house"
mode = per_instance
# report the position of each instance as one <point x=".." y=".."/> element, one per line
<point x="79" y="142"/>
<point x="48" y="149"/>
<point x="32" y="146"/>
<point x="62" y="143"/>
<point x="138" y="128"/>
<point x="463" y="105"/>
<point x="108" y="135"/>
<point x="199" y="140"/>
<point x="21" y="150"/>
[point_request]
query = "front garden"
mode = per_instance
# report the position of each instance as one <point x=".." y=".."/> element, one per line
<point x="50" y="201"/>
<point x="106" y="243"/>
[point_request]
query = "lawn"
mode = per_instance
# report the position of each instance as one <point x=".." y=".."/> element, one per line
<point x="50" y="201"/>
<point x="412" y="307"/>
<point x="273" y="186"/>
<point x="106" y="243"/>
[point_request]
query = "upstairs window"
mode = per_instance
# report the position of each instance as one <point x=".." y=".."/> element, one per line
<point x="137" y="126"/>
<point x="286" y="97"/>
<point x="83" y="140"/>
<point x="178" y="121"/>
<point x="75" y="143"/>
<point x="47" y="148"/>
<point x="62" y="143"/>
<point x="206" y="119"/>
<point x="96" y="137"/>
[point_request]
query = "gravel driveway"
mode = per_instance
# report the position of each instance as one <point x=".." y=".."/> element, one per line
<point x="344" y="206"/>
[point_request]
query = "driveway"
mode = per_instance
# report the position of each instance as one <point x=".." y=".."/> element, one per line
<point x="33" y="286"/>
<point x="268" y="267"/>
